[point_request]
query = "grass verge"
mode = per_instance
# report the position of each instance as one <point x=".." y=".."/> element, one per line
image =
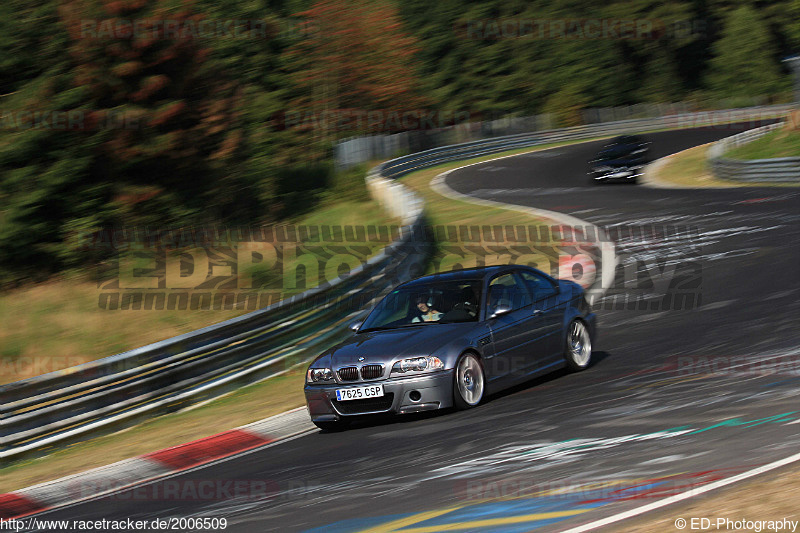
<point x="690" y="169"/>
<point x="780" y="143"/>
<point x="59" y="323"/>
<point x="446" y="211"/>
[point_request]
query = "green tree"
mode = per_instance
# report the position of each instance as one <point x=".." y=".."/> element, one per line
<point x="159" y="140"/>
<point x="745" y="58"/>
<point x="31" y="41"/>
<point x="566" y="106"/>
<point x="359" y="59"/>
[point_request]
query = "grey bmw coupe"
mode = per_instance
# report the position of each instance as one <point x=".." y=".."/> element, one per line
<point x="448" y="340"/>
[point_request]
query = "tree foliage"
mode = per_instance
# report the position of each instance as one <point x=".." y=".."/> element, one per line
<point x="239" y="129"/>
<point x="356" y="59"/>
<point x="745" y="56"/>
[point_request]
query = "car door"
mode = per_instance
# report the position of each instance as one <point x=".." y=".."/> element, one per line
<point x="549" y="315"/>
<point x="511" y="330"/>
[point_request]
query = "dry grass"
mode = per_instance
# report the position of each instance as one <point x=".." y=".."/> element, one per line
<point x="59" y="323"/>
<point x="689" y="168"/>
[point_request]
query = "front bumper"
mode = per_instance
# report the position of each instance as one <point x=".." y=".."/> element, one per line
<point x="618" y="174"/>
<point x="435" y="391"/>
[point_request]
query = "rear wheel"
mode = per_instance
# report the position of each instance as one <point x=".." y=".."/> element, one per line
<point x="578" y="348"/>
<point x="468" y="382"/>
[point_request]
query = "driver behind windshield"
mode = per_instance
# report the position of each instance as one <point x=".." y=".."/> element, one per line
<point x="426" y="311"/>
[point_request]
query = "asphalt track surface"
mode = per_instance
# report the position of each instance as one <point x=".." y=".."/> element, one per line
<point x="648" y="419"/>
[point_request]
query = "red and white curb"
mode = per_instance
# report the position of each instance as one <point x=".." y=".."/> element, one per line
<point x="130" y="472"/>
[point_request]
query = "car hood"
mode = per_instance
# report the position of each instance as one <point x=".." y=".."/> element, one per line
<point x="389" y="345"/>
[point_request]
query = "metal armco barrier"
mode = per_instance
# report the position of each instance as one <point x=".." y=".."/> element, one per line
<point x="98" y="397"/>
<point x="360" y="149"/>
<point x="46" y="411"/>
<point x="782" y="169"/>
<point x="403" y="165"/>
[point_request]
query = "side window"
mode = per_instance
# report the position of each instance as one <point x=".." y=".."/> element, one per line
<point x="504" y="291"/>
<point x="539" y="286"/>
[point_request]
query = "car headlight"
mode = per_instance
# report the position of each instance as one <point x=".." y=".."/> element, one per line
<point x="319" y="375"/>
<point x="417" y="364"/>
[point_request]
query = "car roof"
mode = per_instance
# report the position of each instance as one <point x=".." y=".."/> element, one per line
<point x="461" y="274"/>
<point x="626" y="139"/>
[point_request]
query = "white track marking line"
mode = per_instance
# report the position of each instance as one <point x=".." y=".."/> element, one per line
<point x="606" y="245"/>
<point x="683" y="496"/>
<point x="439" y="185"/>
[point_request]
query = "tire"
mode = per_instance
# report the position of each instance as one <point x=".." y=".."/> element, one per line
<point x="469" y="382"/>
<point x="578" y="346"/>
<point x="330" y="426"/>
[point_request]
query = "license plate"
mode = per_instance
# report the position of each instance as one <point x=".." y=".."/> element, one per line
<point x="359" y="393"/>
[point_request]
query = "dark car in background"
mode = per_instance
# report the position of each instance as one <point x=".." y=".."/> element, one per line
<point x="446" y="340"/>
<point x="623" y="159"/>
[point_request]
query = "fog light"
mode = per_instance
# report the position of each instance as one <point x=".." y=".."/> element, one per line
<point x="415" y="395"/>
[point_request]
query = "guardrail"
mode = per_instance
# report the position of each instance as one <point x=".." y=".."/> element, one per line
<point x="102" y="396"/>
<point x="121" y="390"/>
<point x="403" y="165"/>
<point x="782" y="169"/>
<point x="527" y="132"/>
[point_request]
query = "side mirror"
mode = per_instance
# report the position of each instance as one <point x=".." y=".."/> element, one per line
<point x="355" y="326"/>
<point x="500" y="311"/>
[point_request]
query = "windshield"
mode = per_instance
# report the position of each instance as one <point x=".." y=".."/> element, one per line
<point x="616" y="152"/>
<point x="431" y="303"/>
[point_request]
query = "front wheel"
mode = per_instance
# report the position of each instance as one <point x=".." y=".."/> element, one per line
<point x="578" y="348"/>
<point x="468" y="382"/>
